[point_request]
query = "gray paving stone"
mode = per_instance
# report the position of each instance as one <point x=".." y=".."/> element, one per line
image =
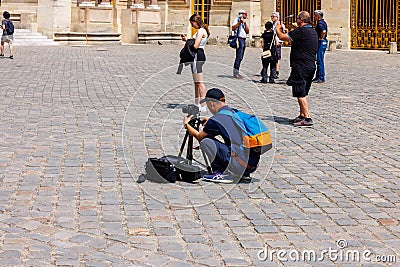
<point x="265" y="229"/>
<point x="69" y="139"/>
<point x="96" y="264"/>
<point x="10" y="261"/>
<point x="194" y="239"/>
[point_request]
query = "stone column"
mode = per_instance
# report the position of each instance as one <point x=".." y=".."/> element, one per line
<point x="53" y="16"/>
<point x="393" y="48"/>
<point x="336" y="15"/>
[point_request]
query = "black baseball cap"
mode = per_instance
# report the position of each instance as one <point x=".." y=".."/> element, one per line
<point x="214" y="94"/>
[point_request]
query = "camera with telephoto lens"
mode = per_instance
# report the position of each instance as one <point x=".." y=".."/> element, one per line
<point x="191" y="109"/>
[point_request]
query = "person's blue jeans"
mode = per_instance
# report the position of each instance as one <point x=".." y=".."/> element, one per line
<point x="239" y="55"/>
<point x="322" y="44"/>
<point x="219" y="155"/>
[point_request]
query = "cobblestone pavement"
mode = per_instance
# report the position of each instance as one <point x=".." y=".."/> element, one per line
<point x="78" y="123"/>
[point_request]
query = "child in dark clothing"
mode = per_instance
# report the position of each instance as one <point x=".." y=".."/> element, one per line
<point x="268" y="43"/>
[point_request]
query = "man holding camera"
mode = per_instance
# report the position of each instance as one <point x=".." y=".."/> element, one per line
<point x="241" y="29"/>
<point x="303" y="53"/>
<point x="224" y="160"/>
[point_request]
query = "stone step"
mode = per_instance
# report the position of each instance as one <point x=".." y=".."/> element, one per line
<point x="83" y="37"/>
<point x="154" y="37"/>
<point x="24" y="37"/>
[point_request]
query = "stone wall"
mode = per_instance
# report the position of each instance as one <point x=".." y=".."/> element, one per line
<point x="337" y="16"/>
<point x="49" y="16"/>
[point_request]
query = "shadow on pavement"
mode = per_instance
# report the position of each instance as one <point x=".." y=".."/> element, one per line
<point x="278" y="119"/>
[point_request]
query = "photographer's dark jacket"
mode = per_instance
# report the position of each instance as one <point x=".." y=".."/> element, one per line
<point x="186" y="55"/>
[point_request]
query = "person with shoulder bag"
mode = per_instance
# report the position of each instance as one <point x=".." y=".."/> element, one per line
<point x="268" y="56"/>
<point x="241" y="30"/>
<point x="8" y="31"/>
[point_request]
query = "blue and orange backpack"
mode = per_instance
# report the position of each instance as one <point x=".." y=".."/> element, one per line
<point x="255" y="135"/>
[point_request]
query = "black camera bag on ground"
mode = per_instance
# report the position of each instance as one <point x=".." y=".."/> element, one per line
<point x="169" y="169"/>
<point x="160" y="170"/>
<point x="187" y="172"/>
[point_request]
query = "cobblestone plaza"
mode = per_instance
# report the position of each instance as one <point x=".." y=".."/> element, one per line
<point x="79" y="122"/>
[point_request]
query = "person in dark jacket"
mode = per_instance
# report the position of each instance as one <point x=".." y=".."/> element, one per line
<point x="187" y="55"/>
<point x="267" y="43"/>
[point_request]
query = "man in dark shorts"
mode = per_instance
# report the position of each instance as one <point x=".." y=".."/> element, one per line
<point x="303" y="53"/>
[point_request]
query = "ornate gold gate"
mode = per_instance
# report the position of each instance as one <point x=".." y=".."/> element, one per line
<point x="289" y="7"/>
<point x="374" y="23"/>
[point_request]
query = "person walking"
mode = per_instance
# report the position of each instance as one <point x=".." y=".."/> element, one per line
<point x="200" y="40"/>
<point x="322" y="31"/>
<point x="241" y="29"/>
<point x="279" y="42"/>
<point x="8" y="31"/>
<point x="304" y="40"/>
<point x="268" y="43"/>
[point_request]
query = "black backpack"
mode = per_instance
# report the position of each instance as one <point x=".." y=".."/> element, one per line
<point x="9" y="27"/>
<point x="169" y="169"/>
<point x="160" y="170"/>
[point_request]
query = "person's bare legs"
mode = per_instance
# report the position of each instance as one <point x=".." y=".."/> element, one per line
<point x="199" y="87"/>
<point x="2" y="48"/>
<point x="303" y="103"/>
<point x="11" y="48"/>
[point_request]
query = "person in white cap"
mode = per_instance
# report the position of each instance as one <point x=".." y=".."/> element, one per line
<point x="241" y="29"/>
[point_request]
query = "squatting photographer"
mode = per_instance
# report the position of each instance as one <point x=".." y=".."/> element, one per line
<point x="227" y="160"/>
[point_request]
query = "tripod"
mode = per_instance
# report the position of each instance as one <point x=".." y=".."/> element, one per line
<point x="195" y="123"/>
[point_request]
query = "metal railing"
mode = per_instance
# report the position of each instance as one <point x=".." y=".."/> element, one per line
<point x="374" y="23"/>
<point x="289" y="7"/>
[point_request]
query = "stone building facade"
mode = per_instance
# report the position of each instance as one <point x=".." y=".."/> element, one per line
<point x="369" y="24"/>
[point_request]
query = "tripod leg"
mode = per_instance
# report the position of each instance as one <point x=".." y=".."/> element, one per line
<point x="189" y="153"/>
<point x="209" y="170"/>
<point x="183" y="143"/>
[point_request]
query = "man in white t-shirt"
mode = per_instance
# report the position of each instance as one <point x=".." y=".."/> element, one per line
<point x="239" y="26"/>
<point x="279" y="42"/>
